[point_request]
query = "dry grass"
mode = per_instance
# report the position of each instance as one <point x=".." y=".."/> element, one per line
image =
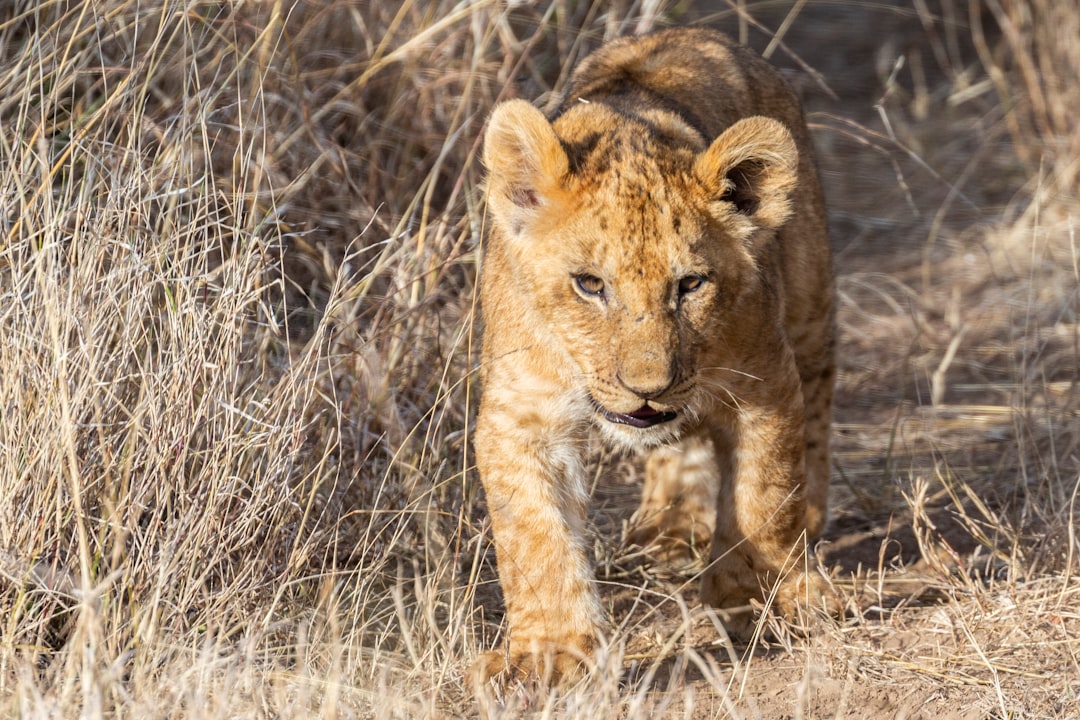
<point x="237" y="261"/>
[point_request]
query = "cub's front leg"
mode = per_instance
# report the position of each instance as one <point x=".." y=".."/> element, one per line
<point x="530" y="463"/>
<point x="760" y="538"/>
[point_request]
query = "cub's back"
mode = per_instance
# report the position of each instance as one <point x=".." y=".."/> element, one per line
<point x="701" y="75"/>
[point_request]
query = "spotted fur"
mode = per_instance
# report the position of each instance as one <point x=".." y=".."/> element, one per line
<point x="657" y="269"/>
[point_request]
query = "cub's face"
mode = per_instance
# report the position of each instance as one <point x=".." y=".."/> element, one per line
<point x="638" y="260"/>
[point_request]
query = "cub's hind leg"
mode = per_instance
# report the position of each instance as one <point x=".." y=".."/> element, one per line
<point x="815" y="357"/>
<point x="812" y="334"/>
<point x="678" y="502"/>
<point x="817" y="394"/>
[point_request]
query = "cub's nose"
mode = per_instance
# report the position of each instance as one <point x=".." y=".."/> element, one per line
<point x="647" y="387"/>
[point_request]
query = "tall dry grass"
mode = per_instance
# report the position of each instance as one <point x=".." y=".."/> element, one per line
<point x="238" y="245"/>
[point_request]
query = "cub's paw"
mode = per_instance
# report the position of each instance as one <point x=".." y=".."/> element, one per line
<point x="800" y="598"/>
<point x="804" y="599"/>
<point x="533" y="663"/>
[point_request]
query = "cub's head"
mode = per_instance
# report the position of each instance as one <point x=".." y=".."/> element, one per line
<point x="639" y="248"/>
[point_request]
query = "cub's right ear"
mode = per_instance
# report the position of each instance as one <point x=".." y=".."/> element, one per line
<point x="526" y="164"/>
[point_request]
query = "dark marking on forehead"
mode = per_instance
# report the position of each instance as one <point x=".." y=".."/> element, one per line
<point x="625" y="140"/>
<point x="579" y="150"/>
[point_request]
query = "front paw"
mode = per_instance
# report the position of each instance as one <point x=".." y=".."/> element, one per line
<point x="534" y="662"/>
<point x="799" y="597"/>
<point x="803" y="596"/>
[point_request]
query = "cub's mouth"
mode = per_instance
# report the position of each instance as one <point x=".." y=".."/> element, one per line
<point x="644" y="417"/>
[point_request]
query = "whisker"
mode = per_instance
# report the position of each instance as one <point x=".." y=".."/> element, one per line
<point x="710" y="390"/>
<point x="731" y="370"/>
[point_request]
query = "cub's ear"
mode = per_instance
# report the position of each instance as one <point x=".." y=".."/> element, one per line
<point x="751" y="169"/>
<point x="526" y="164"/>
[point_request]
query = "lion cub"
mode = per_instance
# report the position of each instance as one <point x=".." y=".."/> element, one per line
<point x="657" y="269"/>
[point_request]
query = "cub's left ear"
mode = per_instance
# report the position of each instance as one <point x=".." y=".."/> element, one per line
<point x="752" y="168"/>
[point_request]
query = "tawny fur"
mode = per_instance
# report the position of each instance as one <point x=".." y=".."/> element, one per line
<point x="659" y="240"/>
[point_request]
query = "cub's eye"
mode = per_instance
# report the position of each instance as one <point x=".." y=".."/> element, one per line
<point x="589" y="285"/>
<point x="690" y="283"/>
